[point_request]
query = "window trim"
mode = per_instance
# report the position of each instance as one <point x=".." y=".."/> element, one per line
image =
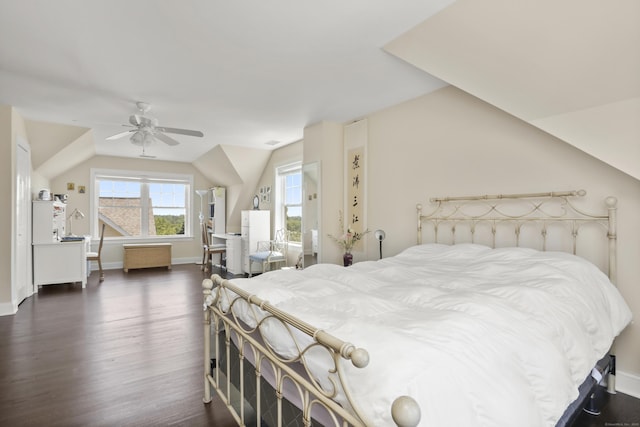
<point x="138" y="175"/>
<point x="280" y="172"/>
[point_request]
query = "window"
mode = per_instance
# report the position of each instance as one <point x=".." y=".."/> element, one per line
<point x="137" y="205"/>
<point x="289" y="200"/>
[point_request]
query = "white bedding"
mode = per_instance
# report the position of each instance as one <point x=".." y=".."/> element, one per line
<point x="478" y="336"/>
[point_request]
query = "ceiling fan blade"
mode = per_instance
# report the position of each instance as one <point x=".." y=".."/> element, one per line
<point x="120" y="135"/>
<point x="166" y="139"/>
<point x="135" y="119"/>
<point x="180" y="131"/>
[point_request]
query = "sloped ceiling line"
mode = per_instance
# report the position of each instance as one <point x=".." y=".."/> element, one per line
<point x="570" y="68"/>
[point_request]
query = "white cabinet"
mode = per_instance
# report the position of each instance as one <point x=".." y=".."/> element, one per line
<point x="55" y="261"/>
<point x="234" y="251"/>
<point x="256" y="227"/>
<point x="48" y="221"/>
<point x="234" y="255"/>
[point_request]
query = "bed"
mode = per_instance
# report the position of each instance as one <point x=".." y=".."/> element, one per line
<point x="494" y="317"/>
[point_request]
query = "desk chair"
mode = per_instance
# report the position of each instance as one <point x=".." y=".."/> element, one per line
<point x="95" y="256"/>
<point x="271" y="251"/>
<point x="208" y="249"/>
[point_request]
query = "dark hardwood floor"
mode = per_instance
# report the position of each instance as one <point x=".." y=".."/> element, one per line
<point x="618" y="410"/>
<point x="128" y="352"/>
<point x="124" y="352"/>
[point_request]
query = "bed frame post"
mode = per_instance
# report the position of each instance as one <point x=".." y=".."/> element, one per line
<point x="611" y="203"/>
<point x="207" y="344"/>
<point x="611" y="376"/>
<point x="419" y="209"/>
<point x="405" y="412"/>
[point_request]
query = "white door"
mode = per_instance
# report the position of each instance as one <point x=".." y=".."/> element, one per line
<point x="24" y="287"/>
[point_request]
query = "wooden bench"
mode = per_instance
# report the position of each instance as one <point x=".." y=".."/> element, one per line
<point x="147" y="255"/>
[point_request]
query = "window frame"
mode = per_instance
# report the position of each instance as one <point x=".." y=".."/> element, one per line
<point x="144" y="177"/>
<point x="280" y="174"/>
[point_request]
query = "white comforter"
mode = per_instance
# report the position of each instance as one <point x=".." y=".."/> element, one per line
<point x="478" y="336"/>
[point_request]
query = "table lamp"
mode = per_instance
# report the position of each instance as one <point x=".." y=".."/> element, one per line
<point x="75" y="214"/>
<point x="380" y="235"/>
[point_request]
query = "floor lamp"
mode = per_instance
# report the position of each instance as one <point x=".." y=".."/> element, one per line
<point x="201" y="193"/>
<point x="201" y="215"/>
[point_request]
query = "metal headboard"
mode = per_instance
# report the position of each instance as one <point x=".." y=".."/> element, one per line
<point x="533" y="211"/>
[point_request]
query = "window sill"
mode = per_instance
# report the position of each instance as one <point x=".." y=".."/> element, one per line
<point x="120" y="240"/>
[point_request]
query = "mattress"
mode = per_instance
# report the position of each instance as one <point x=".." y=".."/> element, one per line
<point x="477" y="336"/>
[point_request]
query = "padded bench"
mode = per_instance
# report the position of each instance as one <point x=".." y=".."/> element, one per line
<point x="147" y="255"/>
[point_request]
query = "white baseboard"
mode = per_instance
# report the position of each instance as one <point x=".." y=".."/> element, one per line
<point x="119" y="264"/>
<point x="190" y="260"/>
<point x="7" y="309"/>
<point x="628" y="384"/>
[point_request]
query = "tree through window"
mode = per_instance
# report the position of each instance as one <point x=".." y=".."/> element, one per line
<point x="289" y="200"/>
<point x="134" y="205"/>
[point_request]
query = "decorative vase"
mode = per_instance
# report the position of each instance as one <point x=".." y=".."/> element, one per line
<point x="347" y="259"/>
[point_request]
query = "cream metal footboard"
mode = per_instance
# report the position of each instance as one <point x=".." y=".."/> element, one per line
<point x="314" y="395"/>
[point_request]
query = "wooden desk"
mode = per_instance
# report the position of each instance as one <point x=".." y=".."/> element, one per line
<point x="234" y="251"/>
<point x="60" y="262"/>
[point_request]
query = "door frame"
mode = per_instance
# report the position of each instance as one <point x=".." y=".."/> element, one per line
<point x="22" y="282"/>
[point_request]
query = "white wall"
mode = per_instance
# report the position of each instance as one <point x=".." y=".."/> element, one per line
<point x="449" y="143"/>
<point x="6" y="189"/>
<point x="323" y="142"/>
<point x="288" y="154"/>
<point x="12" y="128"/>
<point x="112" y="254"/>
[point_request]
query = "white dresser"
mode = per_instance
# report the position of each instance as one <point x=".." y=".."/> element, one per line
<point x="256" y="227"/>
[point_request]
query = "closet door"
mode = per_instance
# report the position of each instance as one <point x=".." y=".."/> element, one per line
<point x="22" y="278"/>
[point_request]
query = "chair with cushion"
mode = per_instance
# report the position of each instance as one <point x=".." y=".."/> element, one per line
<point x="95" y="256"/>
<point x="209" y="249"/>
<point x="271" y="251"/>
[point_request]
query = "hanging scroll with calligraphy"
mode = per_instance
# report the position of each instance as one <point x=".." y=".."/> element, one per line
<point x="355" y="139"/>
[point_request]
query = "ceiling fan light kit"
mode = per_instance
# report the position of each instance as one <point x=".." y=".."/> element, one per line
<point x="146" y="130"/>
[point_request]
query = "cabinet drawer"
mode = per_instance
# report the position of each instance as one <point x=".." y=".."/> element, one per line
<point x="233" y="246"/>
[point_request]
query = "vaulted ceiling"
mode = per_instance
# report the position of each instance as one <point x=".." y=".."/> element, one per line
<point x="250" y="74"/>
<point x="255" y="76"/>
<point x="571" y="68"/>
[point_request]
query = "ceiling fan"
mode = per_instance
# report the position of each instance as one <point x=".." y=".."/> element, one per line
<point x="145" y="130"/>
